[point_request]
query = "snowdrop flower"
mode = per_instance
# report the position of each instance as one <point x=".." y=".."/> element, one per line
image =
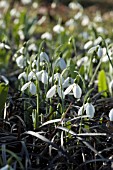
<point x="85" y="20"/>
<point x="68" y="81"/>
<point x="81" y="110"/>
<point x="111" y="86"/>
<point x="61" y="63"/>
<point x="90" y="110"/>
<point x="52" y="91"/>
<point x="75" y="6"/>
<point x="47" y="36"/>
<point x="21" y="34"/>
<point x="32" y="47"/>
<point x="20" y="61"/>
<point x="41" y="20"/>
<point x="42" y="76"/>
<point x="6" y="81"/>
<point x="44" y="57"/>
<point x="26" y="2"/>
<point x="14" y="13"/>
<point x="111" y="115"/>
<point x="70" y="22"/>
<point x="58" y="77"/>
<point x="31" y="76"/>
<point x="77" y="92"/>
<point x="88" y="45"/>
<point x="92" y="49"/>
<point x="58" y="29"/>
<point x="82" y="61"/>
<point x="35" y="64"/>
<point x="23" y="75"/>
<point x="100" y="51"/>
<point x="78" y="15"/>
<point x="3" y="45"/>
<point x="32" y="87"/>
<point x="97" y="41"/>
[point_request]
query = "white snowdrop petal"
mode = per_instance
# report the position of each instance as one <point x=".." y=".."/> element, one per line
<point x="44" y="77"/>
<point x="32" y="88"/>
<point x="60" y="93"/>
<point x="100" y="52"/>
<point x="25" y="86"/>
<point x="77" y="91"/>
<point x="67" y="82"/>
<point x="44" y="57"/>
<point x="58" y="29"/>
<point x="61" y="63"/>
<point x="88" y="45"/>
<point x="47" y="36"/>
<point x="51" y="92"/>
<point x="90" y="110"/>
<point x="39" y="75"/>
<point x="30" y="75"/>
<point x="80" y="111"/>
<point x="111" y="115"/>
<point x="67" y="91"/>
<point x="23" y="75"/>
<point x="20" y="61"/>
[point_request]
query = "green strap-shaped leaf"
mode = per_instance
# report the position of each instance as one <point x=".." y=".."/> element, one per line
<point x="102" y="82"/>
<point x="3" y="96"/>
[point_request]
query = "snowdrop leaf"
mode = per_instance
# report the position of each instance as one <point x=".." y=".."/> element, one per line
<point x="51" y="92"/>
<point x="102" y="82"/>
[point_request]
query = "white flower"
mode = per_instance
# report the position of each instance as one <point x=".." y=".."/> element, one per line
<point x="82" y="61"/>
<point x="25" y="2"/>
<point x="68" y="81"/>
<point x="58" y="29"/>
<point x="23" y="75"/>
<point x="85" y="20"/>
<point x="61" y="63"/>
<point x="78" y="15"/>
<point x="44" y="57"/>
<point x="90" y="110"/>
<point x="77" y="92"/>
<point x="47" y="36"/>
<point x="31" y="75"/>
<point x="44" y="77"/>
<point x="52" y="91"/>
<point x="3" y="45"/>
<point x="32" y="87"/>
<point x="70" y="22"/>
<point x="111" y="115"/>
<point x="92" y="49"/>
<point x="58" y="77"/>
<point x="100" y="51"/>
<point x="98" y="41"/>
<point x="75" y="6"/>
<point x="32" y="47"/>
<point x="88" y="45"/>
<point x="111" y="86"/>
<point x="20" y="61"/>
